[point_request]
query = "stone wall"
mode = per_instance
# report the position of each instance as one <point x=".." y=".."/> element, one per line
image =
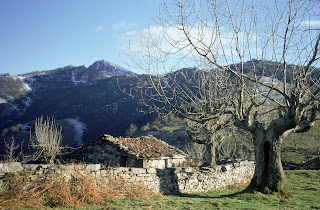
<point x="167" y="181"/>
<point x="164" y="162"/>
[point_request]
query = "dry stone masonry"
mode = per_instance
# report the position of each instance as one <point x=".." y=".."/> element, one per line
<point x="141" y="152"/>
<point x="168" y="181"/>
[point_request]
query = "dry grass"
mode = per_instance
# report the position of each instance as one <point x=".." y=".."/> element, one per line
<point x="60" y="191"/>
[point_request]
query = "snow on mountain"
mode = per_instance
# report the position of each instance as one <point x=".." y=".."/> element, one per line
<point x="13" y="107"/>
<point x="267" y="91"/>
<point x="3" y="101"/>
<point x="78" y="74"/>
<point x="109" y="69"/>
<point x="27" y="101"/>
<point x="26" y="82"/>
<point x="76" y="81"/>
<point x="25" y="127"/>
<point x="79" y="129"/>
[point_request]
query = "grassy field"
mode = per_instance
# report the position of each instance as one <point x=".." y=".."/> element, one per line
<point x="304" y="186"/>
<point x="301" y="147"/>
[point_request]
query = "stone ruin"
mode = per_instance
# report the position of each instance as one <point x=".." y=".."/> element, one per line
<point x="141" y="152"/>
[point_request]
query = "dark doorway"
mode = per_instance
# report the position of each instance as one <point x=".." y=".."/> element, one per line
<point x="138" y="163"/>
<point x="123" y="161"/>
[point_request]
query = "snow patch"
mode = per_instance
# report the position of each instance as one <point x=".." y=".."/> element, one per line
<point x="271" y="81"/>
<point x="79" y="128"/>
<point x="3" y="101"/>
<point x="26" y="87"/>
<point x="27" y="101"/>
<point x="25" y="127"/>
<point x="13" y="107"/>
<point x="83" y="79"/>
<point x="27" y="81"/>
<point x="267" y="91"/>
<point x="110" y="69"/>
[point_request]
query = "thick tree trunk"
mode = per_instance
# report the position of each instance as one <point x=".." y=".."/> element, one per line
<point x="211" y="154"/>
<point x="269" y="173"/>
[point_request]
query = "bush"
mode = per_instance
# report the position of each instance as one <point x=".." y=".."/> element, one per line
<point x="146" y="127"/>
<point x="46" y="141"/>
<point x="132" y="129"/>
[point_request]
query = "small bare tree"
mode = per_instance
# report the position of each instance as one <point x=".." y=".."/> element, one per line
<point x="256" y="63"/>
<point x="46" y="140"/>
<point x="11" y="148"/>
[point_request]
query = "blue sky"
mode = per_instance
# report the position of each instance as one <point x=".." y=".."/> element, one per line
<point x="41" y="35"/>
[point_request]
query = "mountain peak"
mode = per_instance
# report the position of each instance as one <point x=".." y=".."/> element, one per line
<point x="109" y="68"/>
<point x="104" y="64"/>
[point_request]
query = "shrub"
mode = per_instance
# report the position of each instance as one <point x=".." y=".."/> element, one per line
<point x="16" y="128"/>
<point x="4" y="132"/>
<point x="11" y="147"/>
<point x="146" y="127"/>
<point x="132" y="129"/>
<point x="47" y="140"/>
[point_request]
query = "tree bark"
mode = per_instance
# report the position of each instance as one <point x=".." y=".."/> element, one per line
<point x="269" y="173"/>
<point x="211" y="154"/>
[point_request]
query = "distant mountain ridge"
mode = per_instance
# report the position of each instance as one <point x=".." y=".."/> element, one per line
<point x="85" y="101"/>
<point x="98" y="70"/>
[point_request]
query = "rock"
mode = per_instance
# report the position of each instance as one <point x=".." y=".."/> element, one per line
<point x="93" y="167"/>
<point x="151" y="170"/>
<point x="11" y="167"/>
<point x="31" y="167"/>
<point x="138" y="170"/>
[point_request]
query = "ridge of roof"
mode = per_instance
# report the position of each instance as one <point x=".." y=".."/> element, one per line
<point x="145" y="146"/>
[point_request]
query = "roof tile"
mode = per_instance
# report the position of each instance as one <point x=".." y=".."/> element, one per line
<point x="147" y="146"/>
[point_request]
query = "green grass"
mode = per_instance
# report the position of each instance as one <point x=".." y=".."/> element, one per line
<point x="292" y="157"/>
<point x="299" y="147"/>
<point x="306" y="142"/>
<point x="304" y="186"/>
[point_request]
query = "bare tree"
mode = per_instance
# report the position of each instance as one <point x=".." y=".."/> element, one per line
<point x="11" y="148"/>
<point x="210" y="133"/>
<point x="46" y="140"/>
<point x="255" y="62"/>
<point x="238" y="145"/>
<point x="196" y="152"/>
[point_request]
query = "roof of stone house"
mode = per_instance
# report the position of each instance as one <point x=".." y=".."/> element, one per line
<point x="145" y="146"/>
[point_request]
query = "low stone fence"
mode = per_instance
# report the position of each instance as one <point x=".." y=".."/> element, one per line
<point x="167" y="181"/>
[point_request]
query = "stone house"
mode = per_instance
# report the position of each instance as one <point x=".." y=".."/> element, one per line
<point x="141" y="152"/>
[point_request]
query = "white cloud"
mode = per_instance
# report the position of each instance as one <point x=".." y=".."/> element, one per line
<point x="311" y="23"/>
<point x="124" y="25"/>
<point x="99" y="28"/>
<point x="157" y="39"/>
<point x="169" y="47"/>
